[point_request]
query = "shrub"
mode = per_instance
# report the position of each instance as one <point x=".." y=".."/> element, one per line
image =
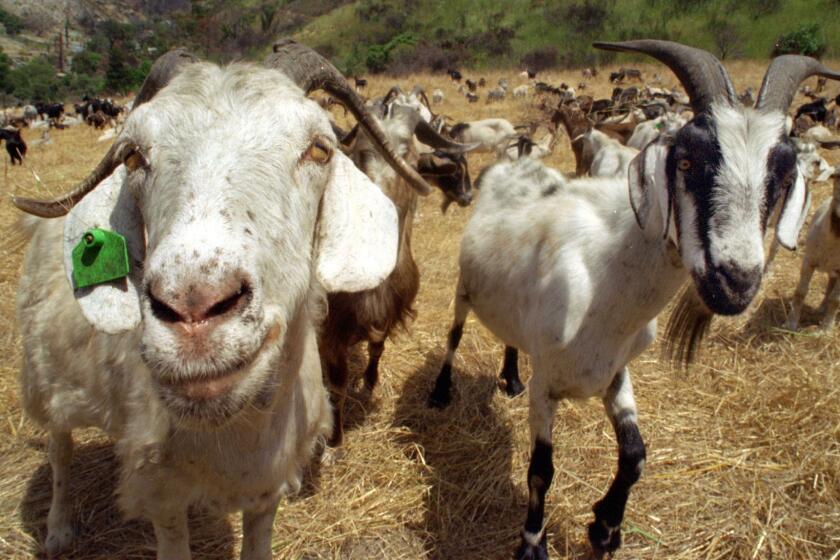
<point x="807" y="40"/>
<point x="378" y="56"/>
<point x="420" y="57"/>
<point x="540" y="59"/>
<point x="36" y="80"/>
<point x="11" y="22"/>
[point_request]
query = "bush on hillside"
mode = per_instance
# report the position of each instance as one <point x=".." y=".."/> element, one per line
<point x="11" y="22"/>
<point x="422" y="57"/>
<point x="538" y="60"/>
<point x="807" y="40"/>
<point x="36" y="81"/>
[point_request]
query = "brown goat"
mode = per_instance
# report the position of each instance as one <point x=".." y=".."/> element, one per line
<point x="374" y="315"/>
<point x="620" y="131"/>
<point x="576" y="123"/>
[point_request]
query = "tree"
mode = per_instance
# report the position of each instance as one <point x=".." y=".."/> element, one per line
<point x="5" y="73"/>
<point x="86" y="62"/>
<point x="725" y="34"/>
<point x="36" y="80"/>
<point x="118" y="76"/>
<point x="268" y="12"/>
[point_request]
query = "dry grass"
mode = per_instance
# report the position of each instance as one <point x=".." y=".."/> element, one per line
<point x="743" y="450"/>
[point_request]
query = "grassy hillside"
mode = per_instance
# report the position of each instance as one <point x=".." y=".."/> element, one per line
<point x="487" y="33"/>
<point x="110" y="44"/>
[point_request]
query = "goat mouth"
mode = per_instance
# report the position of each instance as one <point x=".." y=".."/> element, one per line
<point x="208" y="388"/>
<point x="721" y="297"/>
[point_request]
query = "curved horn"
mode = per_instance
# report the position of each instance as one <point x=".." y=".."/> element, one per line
<point x="701" y="74"/>
<point x="393" y="92"/>
<point x="427" y="135"/>
<point x="782" y="79"/>
<point x="166" y="67"/>
<point x="310" y="71"/>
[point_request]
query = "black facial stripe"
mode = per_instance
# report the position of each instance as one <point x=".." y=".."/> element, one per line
<point x="781" y="167"/>
<point x="697" y="142"/>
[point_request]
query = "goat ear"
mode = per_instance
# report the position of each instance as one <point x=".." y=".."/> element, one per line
<point x="649" y="194"/>
<point x="432" y="165"/>
<point x="794" y="211"/>
<point x="358" y="231"/>
<point x="114" y="306"/>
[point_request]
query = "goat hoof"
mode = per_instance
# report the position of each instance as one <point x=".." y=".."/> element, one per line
<point x="442" y="394"/>
<point x="439" y="399"/>
<point x="527" y="551"/>
<point x="332" y="456"/>
<point x="603" y="538"/>
<point x="58" y="540"/>
<point x="514" y="388"/>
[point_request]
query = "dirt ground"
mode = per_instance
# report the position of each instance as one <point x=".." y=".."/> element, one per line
<point x="743" y="449"/>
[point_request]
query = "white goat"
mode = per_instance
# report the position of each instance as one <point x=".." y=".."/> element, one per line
<point x="610" y="157"/>
<point x="239" y="211"/>
<point x="647" y="131"/>
<point x="437" y="97"/>
<point x="822" y="253"/>
<point x="491" y="135"/>
<point x="575" y="276"/>
<point x="521" y="91"/>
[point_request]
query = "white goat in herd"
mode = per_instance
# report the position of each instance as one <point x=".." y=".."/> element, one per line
<point x="239" y="211"/>
<point x="575" y="276"/>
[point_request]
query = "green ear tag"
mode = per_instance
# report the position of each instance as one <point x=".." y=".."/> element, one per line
<point x="101" y="256"/>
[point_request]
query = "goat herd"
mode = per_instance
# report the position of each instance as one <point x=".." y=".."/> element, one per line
<point x="260" y="254"/>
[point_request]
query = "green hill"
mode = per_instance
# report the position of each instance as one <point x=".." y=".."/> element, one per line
<point x="108" y="45"/>
<point x="490" y="33"/>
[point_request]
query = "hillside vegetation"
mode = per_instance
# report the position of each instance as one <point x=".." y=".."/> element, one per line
<point x="109" y="44"/>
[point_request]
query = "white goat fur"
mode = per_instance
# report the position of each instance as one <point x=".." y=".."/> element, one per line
<point x="491" y="135"/>
<point x="261" y="216"/>
<point x="822" y="253"/>
<point x="553" y="250"/>
<point x="610" y="157"/>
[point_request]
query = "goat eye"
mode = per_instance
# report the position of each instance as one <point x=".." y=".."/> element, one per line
<point x="684" y="165"/>
<point x="134" y="160"/>
<point x="319" y="151"/>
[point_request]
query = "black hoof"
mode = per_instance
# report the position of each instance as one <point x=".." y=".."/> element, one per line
<point x="441" y="395"/>
<point x="514" y="387"/>
<point x="604" y="539"/>
<point x="527" y="551"/>
<point x="439" y="399"/>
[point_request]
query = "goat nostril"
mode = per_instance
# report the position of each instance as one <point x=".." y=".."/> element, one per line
<point x="161" y="311"/>
<point x="228" y="303"/>
<point x="740" y="279"/>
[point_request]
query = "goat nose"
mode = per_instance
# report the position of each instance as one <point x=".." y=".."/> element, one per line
<point x="741" y="280"/>
<point x="199" y="302"/>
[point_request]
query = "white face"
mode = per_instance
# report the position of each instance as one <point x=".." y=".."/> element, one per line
<point x="247" y="208"/>
<point x="229" y="194"/>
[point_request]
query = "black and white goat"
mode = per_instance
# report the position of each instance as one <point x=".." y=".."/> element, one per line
<point x="575" y="276"/>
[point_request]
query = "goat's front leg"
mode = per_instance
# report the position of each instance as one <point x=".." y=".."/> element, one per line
<point x="831" y="303"/>
<point x="59" y="520"/>
<point x="257" y="527"/>
<point x="442" y="393"/>
<point x="800" y="293"/>
<point x="510" y="372"/>
<point x="375" y="349"/>
<point x="337" y="373"/>
<point x="605" y="531"/>
<point x="540" y="473"/>
<point x="172" y="534"/>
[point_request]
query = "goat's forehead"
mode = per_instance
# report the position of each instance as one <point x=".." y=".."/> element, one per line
<point x="244" y="101"/>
